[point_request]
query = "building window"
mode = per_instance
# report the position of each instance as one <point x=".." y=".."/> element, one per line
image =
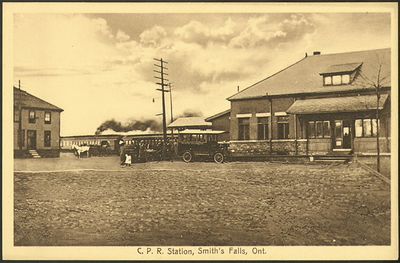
<point x="262" y="127"/>
<point x="47" y="138"/>
<point x="47" y="117"/>
<point x="16" y="114"/>
<point x="366" y="127"/>
<point x="283" y="127"/>
<point x="244" y="129"/>
<point x="32" y="116"/>
<point x="319" y="129"/>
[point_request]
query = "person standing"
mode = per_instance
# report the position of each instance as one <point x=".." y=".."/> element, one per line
<point x="121" y="144"/>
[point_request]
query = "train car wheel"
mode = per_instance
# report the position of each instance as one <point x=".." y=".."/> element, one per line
<point x="218" y="157"/>
<point x="187" y="157"/>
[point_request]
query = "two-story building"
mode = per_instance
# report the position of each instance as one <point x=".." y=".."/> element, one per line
<point x="321" y="104"/>
<point x="36" y="126"/>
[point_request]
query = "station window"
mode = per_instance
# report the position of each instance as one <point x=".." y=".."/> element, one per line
<point x="366" y="127"/>
<point x="244" y="129"/>
<point x="283" y="127"/>
<point x="319" y="129"/>
<point x="327" y="129"/>
<point x="311" y="129"/>
<point x="262" y="127"/>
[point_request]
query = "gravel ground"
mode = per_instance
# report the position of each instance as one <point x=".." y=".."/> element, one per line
<point x="197" y="204"/>
<point x="372" y="162"/>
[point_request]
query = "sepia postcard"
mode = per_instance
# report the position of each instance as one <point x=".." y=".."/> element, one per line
<point x="200" y="131"/>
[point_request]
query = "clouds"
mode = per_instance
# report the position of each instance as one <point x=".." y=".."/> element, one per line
<point x="267" y="32"/>
<point x="122" y="36"/>
<point x="153" y="37"/>
<point x="110" y="67"/>
<point x="197" y="32"/>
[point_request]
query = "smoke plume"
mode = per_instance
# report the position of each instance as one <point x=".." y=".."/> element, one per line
<point x="132" y="125"/>
<point x="190" y="113"/>
<point x="140" y="125"/>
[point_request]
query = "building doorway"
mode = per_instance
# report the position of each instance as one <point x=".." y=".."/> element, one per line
<point x="31" y="140"/>
<point x="346" y="134"/>
<point x="343" y="134"/>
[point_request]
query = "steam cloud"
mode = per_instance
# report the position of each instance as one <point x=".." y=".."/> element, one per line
<point x="140" y="125"/>
<point x="133" y="125"/>
<point x="190" y="113"/>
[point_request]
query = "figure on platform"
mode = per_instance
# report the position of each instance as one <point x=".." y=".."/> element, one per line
<point x="121" y="144"/>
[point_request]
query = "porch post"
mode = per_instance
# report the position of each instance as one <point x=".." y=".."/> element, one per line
<point x="270" y="126"/>
<point x="295" y="134"/>
<point x="307" y="136"/>
<point x="378" y="164"/>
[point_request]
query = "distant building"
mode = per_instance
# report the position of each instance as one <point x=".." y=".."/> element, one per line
<point x="36" y="126"/>
<point x="321" y="104"/>
<point x="221" y="121"/>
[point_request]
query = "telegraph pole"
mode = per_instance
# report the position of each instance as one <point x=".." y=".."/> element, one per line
<point x="170" y="100"/>
<point x="378" y="96"/>
<point x="161" y="81"/>
<point x="20" y="116"/>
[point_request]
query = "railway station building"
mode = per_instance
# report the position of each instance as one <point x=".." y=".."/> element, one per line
<point x="36" y="126"/>
<point x="322" y="104"/>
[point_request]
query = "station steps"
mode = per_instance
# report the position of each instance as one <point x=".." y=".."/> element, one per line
<point x="34" y="154"/>
<point x="334" y="157"/>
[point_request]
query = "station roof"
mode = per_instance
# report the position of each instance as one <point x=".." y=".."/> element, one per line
<point x="303" y="77"/>
<point x="337" y="104"/>
<point x="189" y="122"/>
<point x="215" y="116"/>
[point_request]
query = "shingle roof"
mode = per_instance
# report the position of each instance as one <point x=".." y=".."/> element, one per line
<point x="304" y="75"/>
<point x="29" y="101"/>
<point x="341" y="68"/>
<point x="337" y="104"/>
<point x="218" y="115"/>
<point x="189" y="122"/>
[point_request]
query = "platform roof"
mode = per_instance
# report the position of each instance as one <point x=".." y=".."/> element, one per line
<point x="189" y="122"/>
<point x="337" y="104"/>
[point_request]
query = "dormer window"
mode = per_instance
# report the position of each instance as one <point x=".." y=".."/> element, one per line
<point x="328" y="80"/>
<point x="341" y="74"/>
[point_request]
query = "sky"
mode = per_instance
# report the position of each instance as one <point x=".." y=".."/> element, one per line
<point x="99" y="67"/>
